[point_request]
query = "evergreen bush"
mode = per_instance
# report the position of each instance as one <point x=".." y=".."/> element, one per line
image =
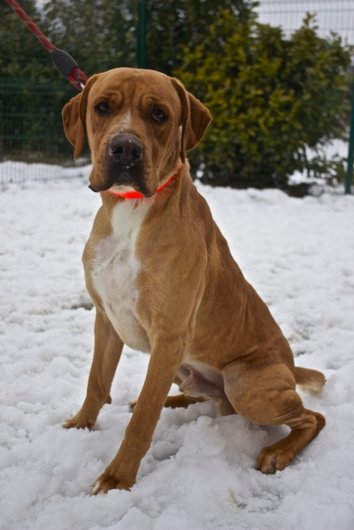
<point x="272" y="99"/>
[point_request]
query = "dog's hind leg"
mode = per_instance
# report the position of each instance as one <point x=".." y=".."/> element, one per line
<point x="181" y="400"/>
<point x="108" y="348"/>
<point x="174" y="402"/>
<point x="267" y="396"/>
<point x="304" y="427"/>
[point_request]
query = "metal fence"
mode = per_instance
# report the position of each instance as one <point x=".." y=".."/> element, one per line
<point x="331" y="15"/>
<point x="30" y="119"/>
<point x="30" y="127"/>
<point x="23" y="138"/>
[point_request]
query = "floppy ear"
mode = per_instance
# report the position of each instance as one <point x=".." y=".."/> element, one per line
<point x="73" y="126"/>
<point x="74" y="118"/>
<point x="195" y="119"/>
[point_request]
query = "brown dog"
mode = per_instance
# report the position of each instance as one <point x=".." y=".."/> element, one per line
<point x="163" y="280"/>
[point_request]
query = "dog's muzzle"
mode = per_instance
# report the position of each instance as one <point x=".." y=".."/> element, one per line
<point x="125" y="160"/>
<point x="125" y="151"/>
<point x="125" y="164"/>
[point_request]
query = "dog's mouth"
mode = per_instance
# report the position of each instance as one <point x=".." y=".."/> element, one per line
<point x="123" y="184"/>
<point x="125" y="166"/>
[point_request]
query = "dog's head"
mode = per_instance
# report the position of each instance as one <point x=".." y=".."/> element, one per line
<point x="139" y="124"/>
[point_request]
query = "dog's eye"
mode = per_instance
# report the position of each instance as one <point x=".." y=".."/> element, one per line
<point x="158" y="115"/>
<point x="102" y="108"/>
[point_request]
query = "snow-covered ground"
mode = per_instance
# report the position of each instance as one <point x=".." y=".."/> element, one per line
<point x="199" y="473"/>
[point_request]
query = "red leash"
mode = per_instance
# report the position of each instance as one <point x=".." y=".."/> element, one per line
<point x="66" y="65"/>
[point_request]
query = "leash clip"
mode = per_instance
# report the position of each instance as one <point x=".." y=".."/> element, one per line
<point x="69" y="68"/>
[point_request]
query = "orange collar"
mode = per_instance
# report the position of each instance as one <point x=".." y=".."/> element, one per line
<point x="137" y="195"/>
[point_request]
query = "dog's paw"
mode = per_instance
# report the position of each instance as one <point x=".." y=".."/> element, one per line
<point x="86" y="417"/>
<point x="107" y="482"/>
<point x="79" y="421"/>
<point x="272" y="459"/>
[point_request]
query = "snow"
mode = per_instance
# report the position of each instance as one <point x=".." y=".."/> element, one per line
<point x="199" y="473"/>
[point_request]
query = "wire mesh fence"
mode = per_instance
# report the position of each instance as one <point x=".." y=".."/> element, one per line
<point x="30" y="127"/>
<point x="30" y="119"/>
<point x="18" y="172"/>
<point x="330" y="15"/>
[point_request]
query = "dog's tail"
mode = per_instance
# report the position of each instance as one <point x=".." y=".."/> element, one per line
<point x="312" y="380"/>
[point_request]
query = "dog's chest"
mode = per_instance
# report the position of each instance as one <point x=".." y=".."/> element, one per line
<point x="115" y="272"/>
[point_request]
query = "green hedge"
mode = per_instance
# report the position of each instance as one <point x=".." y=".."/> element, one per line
<point x="272" y="98"/>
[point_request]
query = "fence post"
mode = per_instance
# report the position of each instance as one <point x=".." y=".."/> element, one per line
<point x="141" y="33"/>
<point x="349" y="173"/>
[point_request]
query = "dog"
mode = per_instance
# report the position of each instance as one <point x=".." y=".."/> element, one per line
<point x="163" y="280"/>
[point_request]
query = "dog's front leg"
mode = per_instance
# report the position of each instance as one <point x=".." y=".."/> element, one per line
<point x="164" y="362"/>
<point x="108" y="348"/>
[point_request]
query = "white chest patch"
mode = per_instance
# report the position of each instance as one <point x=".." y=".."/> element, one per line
<point x="116" y="269"/>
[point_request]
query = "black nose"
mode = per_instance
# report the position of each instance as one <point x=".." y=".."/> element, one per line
<point x="126" y="150"/>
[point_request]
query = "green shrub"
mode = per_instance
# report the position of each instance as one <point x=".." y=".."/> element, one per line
<point x="271" y="98"/>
